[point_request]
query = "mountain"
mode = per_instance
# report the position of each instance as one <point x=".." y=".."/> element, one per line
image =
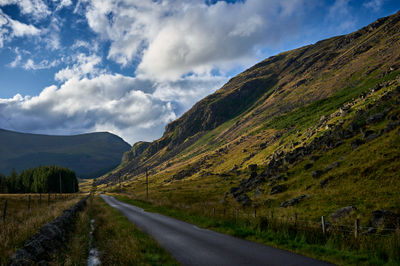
<point x="89" y="155"/>
<point x="316" y="127"/>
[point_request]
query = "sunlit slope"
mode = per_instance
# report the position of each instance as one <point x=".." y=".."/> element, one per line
<point x="305" y="117"/>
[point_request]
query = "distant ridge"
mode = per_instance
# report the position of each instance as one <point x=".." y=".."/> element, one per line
<point x="89" y="155"/>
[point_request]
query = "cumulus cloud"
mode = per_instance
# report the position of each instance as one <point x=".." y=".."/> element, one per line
<point x="174" y="37"/>
<point x="84" y="66"/>
<point x="133" y="108"/>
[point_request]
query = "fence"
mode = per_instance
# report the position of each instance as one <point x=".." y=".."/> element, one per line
<point x="30" y="202"/>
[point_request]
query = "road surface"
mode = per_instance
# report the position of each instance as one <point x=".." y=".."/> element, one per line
<point x="191" y="245"/>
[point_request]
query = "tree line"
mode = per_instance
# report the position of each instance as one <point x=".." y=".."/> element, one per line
<point x="43" y="179"/>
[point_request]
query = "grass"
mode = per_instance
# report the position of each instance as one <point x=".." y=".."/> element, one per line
<point x="118" y="241"/>
<point x="20" y="224"/>
<point x="339" y="248"/>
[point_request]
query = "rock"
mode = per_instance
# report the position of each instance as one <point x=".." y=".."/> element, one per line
<point x="257" y="192"/>
<point x="317" y="173"/>
<point x="325" y="182"/>
<point x="375" y="118"/>
<point x="314" y="158"/>
<point x="367" y="133"/>
<point x="233" y="190"/>
<point x="253" y="168"/>
<point x="355" y="143"/>
<point x="293" y="201"/>
<point x="277" y="189"/>
<point x="390" y="126"/>
<point x="372" y="136"/>
<point x="244" y="200"/>
<point x="384" y="219"/>
<point x="342" y="213"/>
<point x="308" y="166"/>
<point x="331" y="166"/>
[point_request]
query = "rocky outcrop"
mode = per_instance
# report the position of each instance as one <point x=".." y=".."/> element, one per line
<point x="342" y="213"/>
<point x="50" y="237"/>
<point x="384" y="219"/>
<point x="293" y="201"/>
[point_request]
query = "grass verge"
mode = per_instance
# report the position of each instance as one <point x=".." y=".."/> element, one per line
<point x="341" y="249"/>
<point x="118" y="241"/>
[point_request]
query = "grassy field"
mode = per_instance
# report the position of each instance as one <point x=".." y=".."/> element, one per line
<point x="21" y="223"/>
<point x="117" y="240"/>
<point x="304" y="237"/>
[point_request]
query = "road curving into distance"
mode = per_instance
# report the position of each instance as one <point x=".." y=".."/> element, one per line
<point x="191" y="245"/>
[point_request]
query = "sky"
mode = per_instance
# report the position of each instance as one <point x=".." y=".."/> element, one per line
<point x="129" y="67"/>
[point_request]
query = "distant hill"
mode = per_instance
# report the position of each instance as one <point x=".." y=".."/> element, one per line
<point x="89" y="155"/>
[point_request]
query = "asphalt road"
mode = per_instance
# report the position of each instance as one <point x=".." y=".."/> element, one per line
<point x="191" y="245"/>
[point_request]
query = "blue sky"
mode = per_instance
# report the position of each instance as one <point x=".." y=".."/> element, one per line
<point x="131" y="66"/>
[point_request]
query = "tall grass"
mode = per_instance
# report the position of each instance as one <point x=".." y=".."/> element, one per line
<point x="20" y="224"/>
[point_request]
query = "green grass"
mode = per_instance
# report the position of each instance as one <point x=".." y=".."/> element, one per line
<point x="338" y="248"/>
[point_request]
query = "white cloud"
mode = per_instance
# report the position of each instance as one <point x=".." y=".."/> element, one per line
<point x="36" y="8"/>
<point x="10" y="28"/>
<point x="340" y="16"/>
<point x="135" y="109"/>
<point x="84" y="66"/>
<point x="375" y="5"/>
<point x="174" y="37"/>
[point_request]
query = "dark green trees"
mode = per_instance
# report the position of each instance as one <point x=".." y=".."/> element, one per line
<point x="42" y="179"/>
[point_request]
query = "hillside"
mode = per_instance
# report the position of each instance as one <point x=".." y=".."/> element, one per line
<point x="89" y="155"/>
<point x="309" y="131"/>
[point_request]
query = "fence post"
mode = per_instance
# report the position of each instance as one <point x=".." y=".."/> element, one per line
<point x="29" y="203"/>
<point x="5" y="211"/>
<point x="356" y="227"/>
<point x="213" y="210"/>
<point x="40" y="200"/>
<point x="255" y="213"/>
<point x="323" y="224"/>
<point x="48" y="199"/>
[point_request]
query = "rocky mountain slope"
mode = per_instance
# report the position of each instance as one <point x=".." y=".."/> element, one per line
<point x="89" y="155"/>
<point x="309" y="130"/>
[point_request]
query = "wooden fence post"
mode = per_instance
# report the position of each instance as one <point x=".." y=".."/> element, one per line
<point x="48" y="199"/>
<point x="356" y="228"/>
<point x="40" y="200"/>
<point x="255" y="213"/>
<point x="213" y="210"/>
<point x="5" y="211"/>
<point x="323" y="224"/>
<point x="29" y="203"/>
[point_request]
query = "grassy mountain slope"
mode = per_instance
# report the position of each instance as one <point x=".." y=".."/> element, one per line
<point x="305" y="117"/>
<point x="89" y="155"/>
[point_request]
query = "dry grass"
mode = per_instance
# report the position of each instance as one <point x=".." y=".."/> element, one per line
<point x="20" y="224"/>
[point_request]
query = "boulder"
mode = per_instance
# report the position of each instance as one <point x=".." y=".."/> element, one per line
<point x="355" y="143"/>
<point x="293" y="201"/>
<point x="277" y="189"/>
<point x="331" y="166"/>
<point x="342" y="213"/>
<point x="375" y="118"/>
<point x="384" y="219"/>
<point x="253" y="168"/>
<point x="244" y="200"/>
<point x="317" y="173"/>
<point x="308" y="166"/>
